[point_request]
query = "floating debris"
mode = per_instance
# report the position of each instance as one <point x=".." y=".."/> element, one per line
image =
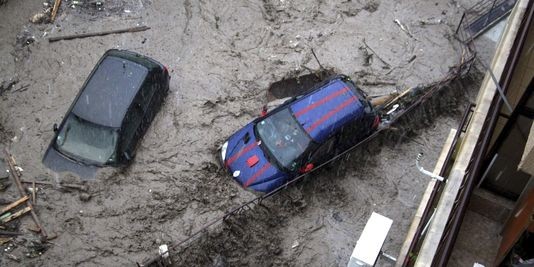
<point x="403" y="27"/>
<point x="39" y="18"/>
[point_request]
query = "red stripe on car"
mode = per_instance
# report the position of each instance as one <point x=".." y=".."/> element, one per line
<point x="331" y="113"/>
<point x="322" y="101"/>
<point x="257" y="174"/>
<point x="240" y="153"/>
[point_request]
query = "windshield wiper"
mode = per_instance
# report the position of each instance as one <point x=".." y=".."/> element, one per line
<point x="66" y="134"/>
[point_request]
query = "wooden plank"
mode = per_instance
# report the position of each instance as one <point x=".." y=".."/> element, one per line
<point x="15" y="174"/>
<point x="17" y="214"/>
<point x="9" y="233"/>
<point x="57" y="3"/>
<point x="4" y="240"/>
<point x="102" y="33"/>
<point x="14" y="204"/>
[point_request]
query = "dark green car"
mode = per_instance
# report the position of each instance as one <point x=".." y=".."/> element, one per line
<point x="109" y="115"/>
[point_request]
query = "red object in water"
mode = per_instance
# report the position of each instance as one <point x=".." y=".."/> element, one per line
<point x="306" y="168"/>
<point x="252" y="161"/>
<point x="376" y="122"/>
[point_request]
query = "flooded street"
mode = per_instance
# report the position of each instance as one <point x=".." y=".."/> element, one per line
<point x="222" y="56"/>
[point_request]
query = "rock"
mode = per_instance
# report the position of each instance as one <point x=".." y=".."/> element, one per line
<point x="337" y="216"/>
<point x="209" y="104"/>
<point x="39" y="18"/>
<point x="219" y="261"/>
<point x="85" y="196"/>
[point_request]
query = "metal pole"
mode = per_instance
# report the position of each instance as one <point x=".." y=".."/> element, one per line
<point x="460" y="24"/>
<point x="425" y="172"/>
<point x="489" y="13"/>
<point x="499" y="88"/>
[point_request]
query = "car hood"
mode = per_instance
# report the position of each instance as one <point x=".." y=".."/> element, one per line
<point x="57" y="162"/>
<point x="248" y="164"/>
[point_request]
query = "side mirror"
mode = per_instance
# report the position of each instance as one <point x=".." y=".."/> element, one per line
<point x="127" y="156"/>
<point x="307" y="168"/>
<point x="55" y="127"/>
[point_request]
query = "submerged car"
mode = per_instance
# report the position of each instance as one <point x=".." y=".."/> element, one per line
<point x="109" y="115"/>
<point x="300" y="134"/>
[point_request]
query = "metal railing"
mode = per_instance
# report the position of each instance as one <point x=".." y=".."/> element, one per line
<point x="482" y="16"/>
<point x="437" y="190"/>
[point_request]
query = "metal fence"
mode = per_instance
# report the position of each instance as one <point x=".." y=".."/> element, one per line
<point x="482" y="16"/>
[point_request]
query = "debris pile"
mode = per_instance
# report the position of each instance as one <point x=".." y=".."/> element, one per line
<point x="14" y="210"/>
<point x="7" y="85"/>
<point x="49" y="13"/>
<point x="12" y="232"/>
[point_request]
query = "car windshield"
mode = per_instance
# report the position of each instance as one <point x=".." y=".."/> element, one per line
<point x="87" y="141"/>
<point x="283" y="137"/>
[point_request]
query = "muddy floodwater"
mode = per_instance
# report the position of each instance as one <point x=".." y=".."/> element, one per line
<point x="222" y="57"/>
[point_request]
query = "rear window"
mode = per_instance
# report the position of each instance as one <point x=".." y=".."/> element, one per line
<point x="109" y="92"/>
<point x="362" y="97"/>
<point x="117" y="71"/>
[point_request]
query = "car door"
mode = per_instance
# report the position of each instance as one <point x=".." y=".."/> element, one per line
<point x="147" y="99"/>
<point x="160" y="87"/>
<point x="131" y="128"/>
<point x="147" y="94"/>
<point x="352" y="133"/>
<point x="322" y="153"/>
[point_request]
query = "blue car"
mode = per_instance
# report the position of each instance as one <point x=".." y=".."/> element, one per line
<point x="300" y="134"/>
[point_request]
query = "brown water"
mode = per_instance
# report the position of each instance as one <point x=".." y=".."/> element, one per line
<point x="223" y="55"/>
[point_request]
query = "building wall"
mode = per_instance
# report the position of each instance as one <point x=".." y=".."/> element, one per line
<point x="503" y="175"/>
<point x="522" y="75"/>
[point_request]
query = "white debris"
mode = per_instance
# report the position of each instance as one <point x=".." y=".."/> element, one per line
<point x="395" y="107"/>
<point x="164" y="251"/>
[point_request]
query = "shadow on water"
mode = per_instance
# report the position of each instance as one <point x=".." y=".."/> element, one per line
<point x="297" y="85"/>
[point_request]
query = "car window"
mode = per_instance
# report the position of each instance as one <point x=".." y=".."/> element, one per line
<point x="323" y="152"/>
<point x="283" y="137"/>
<point x="362" y="97"/>
<point x="353" y="132"/>
<point x="87" y="141"/>
<point x="110" y="91"/>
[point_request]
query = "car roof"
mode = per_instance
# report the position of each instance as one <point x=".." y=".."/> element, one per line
<point x="110" y="89"/>
<point x="325" y="110"/>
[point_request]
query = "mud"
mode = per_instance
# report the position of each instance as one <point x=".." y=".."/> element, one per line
<point x="223" y="56"/>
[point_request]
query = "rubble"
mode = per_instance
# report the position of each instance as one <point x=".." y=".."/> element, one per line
<point x="15" y="172"/>
<point x="40" y="18"/>
<point x="7" y="85"/>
